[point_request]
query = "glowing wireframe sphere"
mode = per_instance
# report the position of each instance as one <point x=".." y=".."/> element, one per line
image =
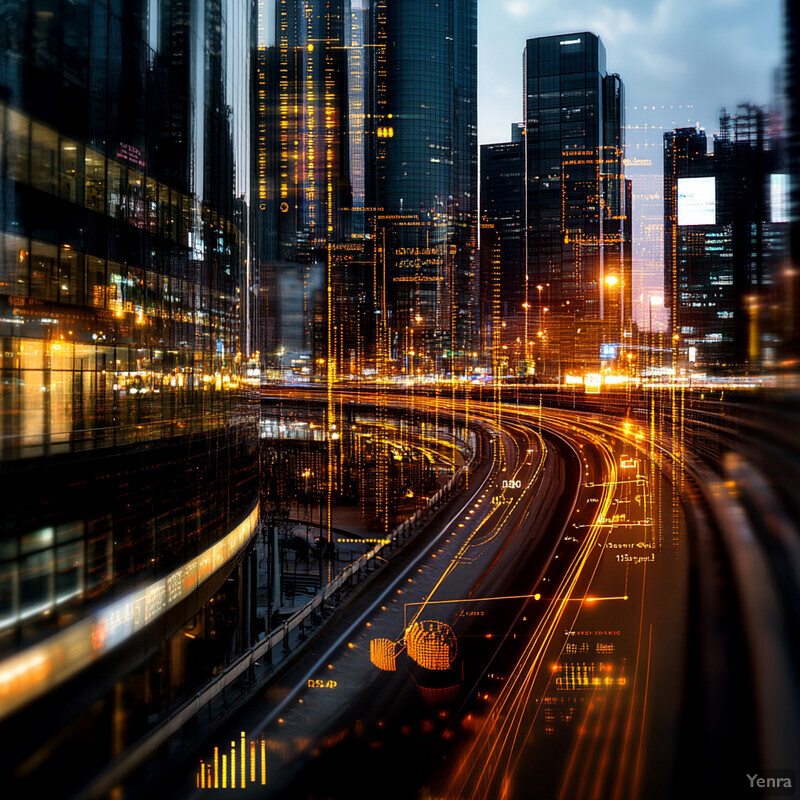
<point x="432" y="644"/>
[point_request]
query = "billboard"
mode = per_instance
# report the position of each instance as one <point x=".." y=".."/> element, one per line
<point x="778" y="197"/>
<point x="608" y="351"/>
<point x="697" y="202"/>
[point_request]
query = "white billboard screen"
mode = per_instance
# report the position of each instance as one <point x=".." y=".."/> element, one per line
<point x="778" y="197"/>
<point x="697" y="202"/>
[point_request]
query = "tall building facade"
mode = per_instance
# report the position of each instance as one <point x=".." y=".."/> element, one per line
<point x="313" y="163"/>
<point x="315" y="156"/>
<point x="644" y="165"/>
<point x="577" y="201"/>
<point x="504" y="307"/>
<point x="725" y="231"/>
<point x="792" y="94"/>
<point x="426" y="109"/>
<point x="368" y="141"/>
<point x="128" y="444"/>
<point x="303" y="152"/>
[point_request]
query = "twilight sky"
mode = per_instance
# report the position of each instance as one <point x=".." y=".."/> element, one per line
<point x="670" y="54"/>
<point x="705" y="53"/>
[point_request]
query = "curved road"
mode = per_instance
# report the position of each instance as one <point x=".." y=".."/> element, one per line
<point x="564" y="578"/>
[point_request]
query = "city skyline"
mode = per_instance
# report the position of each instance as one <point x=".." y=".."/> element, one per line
<point x="660" y="45"/>
<point x="345" y="456"/>
<point x="640" y="38"/>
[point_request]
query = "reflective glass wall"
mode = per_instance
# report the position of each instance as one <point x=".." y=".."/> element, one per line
<point x="124" y="286"/>
<point x="427" y="177"/>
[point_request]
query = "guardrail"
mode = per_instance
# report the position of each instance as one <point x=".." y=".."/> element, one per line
<point x="280" y="635"/>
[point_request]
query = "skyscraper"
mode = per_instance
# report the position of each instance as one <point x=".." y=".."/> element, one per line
<point x="367" y="198"/>
<point x="128" y="444"/>
<point x="312" y="85"/>
<point x="644" y="166"/>
<point x="792" y="92"/>
<point x="578" y="240"/>
<point x="724" y="234"/>
<point x="301" y="118"/>
<point x="503" y="265"/>
<point x="316" y="156"/>
<point x="426" y="107"/>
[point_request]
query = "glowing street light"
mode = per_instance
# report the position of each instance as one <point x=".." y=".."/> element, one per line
<point x="526" y="305"/>
<point x="540" y="288"/>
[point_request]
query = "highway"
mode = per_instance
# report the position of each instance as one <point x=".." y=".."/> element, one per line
<point x="563" y="588"/>
<point x="571" y="715"/>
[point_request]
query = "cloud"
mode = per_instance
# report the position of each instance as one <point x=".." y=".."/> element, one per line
<point x="518" y="8"/>
<point x="705" y="53"/>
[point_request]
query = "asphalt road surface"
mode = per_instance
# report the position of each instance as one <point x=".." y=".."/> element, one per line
<point x="557" y="596"/>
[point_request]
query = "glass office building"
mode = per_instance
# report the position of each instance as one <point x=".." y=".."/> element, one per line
<point x="503" y="267"/>
<point x="791" y="305"/>
<point x="725" y="234"/>
<point x="578" y="220"/>
<point x="312" y="115"/>
<point x="314" y="155"/>
<point x="427" y="181"/>
<point x="126" y="435"/>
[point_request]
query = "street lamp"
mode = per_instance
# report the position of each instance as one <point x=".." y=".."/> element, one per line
<point x="526" y="305"/>
<point x="499" y="354"/>
<point x="412" y="350"/>
<point x="612" y="281"/>
<point x="306" y="474"/>
<point x="539" y="290"/>
<point x="655" y="300"/>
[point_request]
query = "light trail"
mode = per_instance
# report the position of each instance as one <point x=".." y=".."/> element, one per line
<point x="284" y="705"/>
<point x="501" y="739"/>
<point x="474" y="541"/>
<point x="491" y="760"/>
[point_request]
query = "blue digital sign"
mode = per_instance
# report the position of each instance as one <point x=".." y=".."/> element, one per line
<point x="608" y="351"/>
